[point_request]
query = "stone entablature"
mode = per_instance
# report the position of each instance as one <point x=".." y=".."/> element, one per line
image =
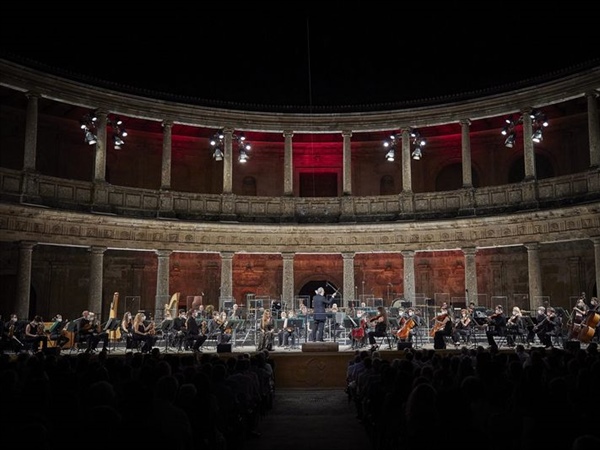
<point x="24" y="79"/>
<point x="146" y="203"/>
<point x="53" y="227"/>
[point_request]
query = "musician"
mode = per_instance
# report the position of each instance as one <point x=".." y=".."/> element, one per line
<point x="408" y="322"/>
<point x="195" y="336"/>
<point x="89" y="331"/>
<point x="127" y="329"/>
<point x="320" y="303"/>
<point x="442" y="327"/>
<point x="179" y="329"/>
<point x="266" y="331"/>
<point x="144" y="332"/>
<point x="35" y="334"/>
<point x="462" y="328"/>
<point x="56" y="332"/>
<point x="235" y="313"/>
<point x="547" y="327"/>
<point x="381" y="323"/>
<point x="222" y="327"/>
<point x="287" y="335"/>
<point x="12" y="335"/>
<point x="579" y="312"/>
<point x="514" y="326"/>
<point x="496" y="326"/>
<point x="358" y="335"/>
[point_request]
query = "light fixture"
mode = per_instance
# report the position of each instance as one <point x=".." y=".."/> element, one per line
<point x="538" y="122"/>
<point x="217" y="142"/>
<point x="392" y="144"/>
<point x="88" y="125"/>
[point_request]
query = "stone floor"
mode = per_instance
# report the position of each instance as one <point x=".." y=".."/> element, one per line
<point x="310" y="419"/>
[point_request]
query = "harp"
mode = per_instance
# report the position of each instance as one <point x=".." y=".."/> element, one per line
<point x="172" y="306"/>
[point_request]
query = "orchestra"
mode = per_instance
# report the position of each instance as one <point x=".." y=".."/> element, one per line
<point x="355" y="325"/>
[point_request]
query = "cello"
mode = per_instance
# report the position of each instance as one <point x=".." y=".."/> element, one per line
<point x="588" y="326"/>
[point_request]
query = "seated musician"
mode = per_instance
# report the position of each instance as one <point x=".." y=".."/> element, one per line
<point x="496" y="326"/>
<point x="358" y="335"/>
<point x="266" y="331"/>
<point x="224" y="328"/>
<point x="288" y="332"/>
<point x="179" y="330"/>
<point x="462" y="328"/>
<point x="381" y="322"/>
<point x="407" y="324"/>
<point x="442" y="327"/>
<point x="144" y="332"/>
<point x="127" y="329"/>
<point x="195" y="336"/>
<point x="514" y="326"/>
<point x="12" y="335"/>
<point x="35" y="334"/>
<point x="56" y="332"/>
<point x="90" y="331"/>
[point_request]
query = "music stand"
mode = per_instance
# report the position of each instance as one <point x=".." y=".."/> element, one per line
<point x="73" y="327"/>
<point x="112" y="325"/>
<point x="166" y="327"/>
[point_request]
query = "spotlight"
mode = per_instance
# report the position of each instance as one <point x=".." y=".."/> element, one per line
<point x="243" y="156"/>
<point x="218" y="154"/>
<point x="510" y="140"/>
<point x="217" y="142"/>
<point x="90" y="137"/>
<point x="390" y="155"/>
<point x="118" y="142"/>
<point x="416" y="154"/>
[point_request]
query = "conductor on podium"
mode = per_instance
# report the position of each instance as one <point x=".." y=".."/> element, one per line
<point x="320" y="304"/>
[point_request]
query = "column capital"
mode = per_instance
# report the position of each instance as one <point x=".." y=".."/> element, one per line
<point x="32" y="94"/>
<point x="163" y="253"/>
<point x="288" y="256"/>
<point x="408" y="253"/>
<point x="27" y="245"/>
<point x="227" y="255"/>
<point x="288" y="133"/>
<point x="465" y="122"/>
<point x="531" y="245"/>
<point x="347" y="133"/>
<point x="469" y="251"/>
<point x="167" y="123"/>
<point x="348" y="255"/>
<point x="97" y="250"/>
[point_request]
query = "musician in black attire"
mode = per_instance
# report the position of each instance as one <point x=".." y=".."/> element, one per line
<point x="496" y="326"/>
<point x="194" y="338"/>
<point x="179" y="329"/>
<point x="547" y="327"/>
<point x="56" y="331"/>
<point x="89" y="331"/>
<point x="381" y="323"/>
<point x="320" y="303"/>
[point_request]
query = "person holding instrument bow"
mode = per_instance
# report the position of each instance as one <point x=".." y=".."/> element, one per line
<point x="496" y="326"/>
<point x="381" y="323"/>
<point x="442" y="327"/>
<point x="320" y="304"/>
<point x="34" y="334"/>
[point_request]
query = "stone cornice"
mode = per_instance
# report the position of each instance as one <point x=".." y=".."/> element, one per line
<point x="52" y="227"/>
<point x="21" y="78"/>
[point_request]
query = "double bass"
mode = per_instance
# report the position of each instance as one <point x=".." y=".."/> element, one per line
<point x="588" y="326"/>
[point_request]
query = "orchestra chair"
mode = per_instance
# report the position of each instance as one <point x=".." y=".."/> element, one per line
<point x="385" y="338"/>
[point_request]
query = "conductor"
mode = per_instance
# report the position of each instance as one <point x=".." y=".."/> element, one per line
<point x="320" y="303"/>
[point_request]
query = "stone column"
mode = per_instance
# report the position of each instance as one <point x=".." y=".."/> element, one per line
<point x="528" y="150"/>
<point x="162" y="280"/>
<point x="165" y="170"/>
<point x="348" y="293"/>
<point x="288" y="164"/>
<point x="535" y="274"/>
<point x="409" y="275"/>
<point x="228" y="162"/>
<point x="288" y="279"/>
<point x="226" y="275"/>
<point x="31" y="132"/>
<point x="24" y="279"/>
<point x="406" y="162"/>
<point x="593" y="130"/>
<point x="100" y="160"/>
<point x="466" y="153"/>
<point x="470" y="274"/>
<point x="96" y="280"/>
<point x="347" y="163"/>
<point x="596" y="241"/>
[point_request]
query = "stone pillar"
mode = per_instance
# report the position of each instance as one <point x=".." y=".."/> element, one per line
<point x="593" y="130"/>
<point x="596" y="241"/>
<point x="406" y="162"/>
<point x="288" y="164"/>
<point x="535" y="274"/>
<point x="226" y="275"/>
<point x="228" y="162"/>
<point x="470" y="274"/>
<point x="528" y="150"/>
<point x="31" y="132"/>
<point x="348" y="293"/>
<point x="96" y="280"/>
<point x="100" y="160"/>
<point x="466" y="153"/>
<point x="409" y="275"/>
<point x="347" y="163"/>
<point x="162" y="280"/>
<point x="165" y="170"/>
<point x="24" y="279"/>
<point x="287" y="290"/>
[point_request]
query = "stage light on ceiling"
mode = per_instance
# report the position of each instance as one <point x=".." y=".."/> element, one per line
<point x="538" y="123"/>
<point x="217" y="142"/>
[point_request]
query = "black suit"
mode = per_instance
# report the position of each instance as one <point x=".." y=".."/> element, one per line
<point x="320" y="304"/>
